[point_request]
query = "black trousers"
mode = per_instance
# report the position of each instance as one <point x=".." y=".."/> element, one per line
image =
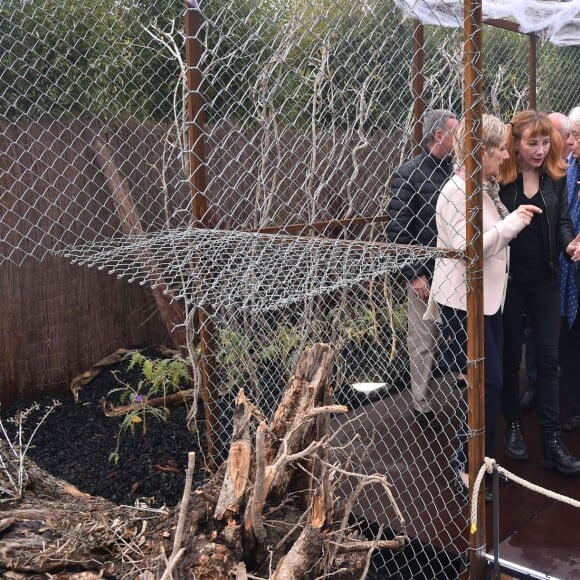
<point x="542" y="304"/>
<point x="454" y="332"/>
<point x="570" y="364"/>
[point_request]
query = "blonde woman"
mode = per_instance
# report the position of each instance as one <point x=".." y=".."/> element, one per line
<point x="449" y="286"/>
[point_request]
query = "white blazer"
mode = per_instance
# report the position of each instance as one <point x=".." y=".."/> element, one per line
<point x="449" y="286"/>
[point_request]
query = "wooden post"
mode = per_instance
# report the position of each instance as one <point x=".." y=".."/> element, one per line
<point x="418" y="82"/>
<point x="532" y="71"/>
<point x="198" y="179"/>
<point x="473" y="103"/>
<point x="195" y="120"/>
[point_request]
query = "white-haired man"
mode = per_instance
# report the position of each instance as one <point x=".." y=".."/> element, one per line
<point x="562" y="124"/>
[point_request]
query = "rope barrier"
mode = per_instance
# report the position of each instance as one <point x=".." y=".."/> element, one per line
<point x="487" y="467"/>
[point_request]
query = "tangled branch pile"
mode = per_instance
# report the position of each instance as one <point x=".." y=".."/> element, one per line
<point x="269" y="512"/>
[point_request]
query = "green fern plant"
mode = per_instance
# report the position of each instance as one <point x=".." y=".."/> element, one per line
<point x="160" y="377"/>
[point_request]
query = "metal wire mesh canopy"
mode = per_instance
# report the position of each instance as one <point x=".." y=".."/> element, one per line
<point x="557" y="22"/>
<point x="243" y="270"/>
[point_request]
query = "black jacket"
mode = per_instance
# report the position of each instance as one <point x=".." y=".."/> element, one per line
<point x="557" y="228"/>
<point x="415" y="186"/>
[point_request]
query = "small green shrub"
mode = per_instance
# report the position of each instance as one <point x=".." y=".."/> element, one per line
<point x="160" y="377"/>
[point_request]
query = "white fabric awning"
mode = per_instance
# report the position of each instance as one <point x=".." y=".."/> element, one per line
<point x="556" y="22"/>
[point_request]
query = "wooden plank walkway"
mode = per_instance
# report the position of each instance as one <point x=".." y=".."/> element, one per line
<point x="535" y="532"/>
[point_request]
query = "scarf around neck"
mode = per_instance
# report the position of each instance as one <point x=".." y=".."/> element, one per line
<point x="491" y="187"/>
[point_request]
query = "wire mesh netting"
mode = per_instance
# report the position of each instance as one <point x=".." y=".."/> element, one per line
<point x="239" y="159"/>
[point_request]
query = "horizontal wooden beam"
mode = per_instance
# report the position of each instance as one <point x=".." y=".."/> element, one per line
<point x="322" y="226"/>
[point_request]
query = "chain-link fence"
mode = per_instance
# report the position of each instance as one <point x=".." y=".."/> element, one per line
<point x="276" y="128"/>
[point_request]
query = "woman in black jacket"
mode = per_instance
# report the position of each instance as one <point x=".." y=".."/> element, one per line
<point x="535" y="174"/>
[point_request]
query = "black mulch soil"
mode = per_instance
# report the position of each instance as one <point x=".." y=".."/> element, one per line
<point x="75" y="442"/>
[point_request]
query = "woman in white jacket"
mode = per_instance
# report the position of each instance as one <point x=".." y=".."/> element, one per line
<point x="449" y="287"/>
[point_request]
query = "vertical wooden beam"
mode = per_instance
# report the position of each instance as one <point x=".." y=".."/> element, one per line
<point x="195" y="119"/>
<point x="473" y="104"/>
<point x="532" y="71"/>
<point x="198" y="180"/>
<point x="417" y="83"/>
